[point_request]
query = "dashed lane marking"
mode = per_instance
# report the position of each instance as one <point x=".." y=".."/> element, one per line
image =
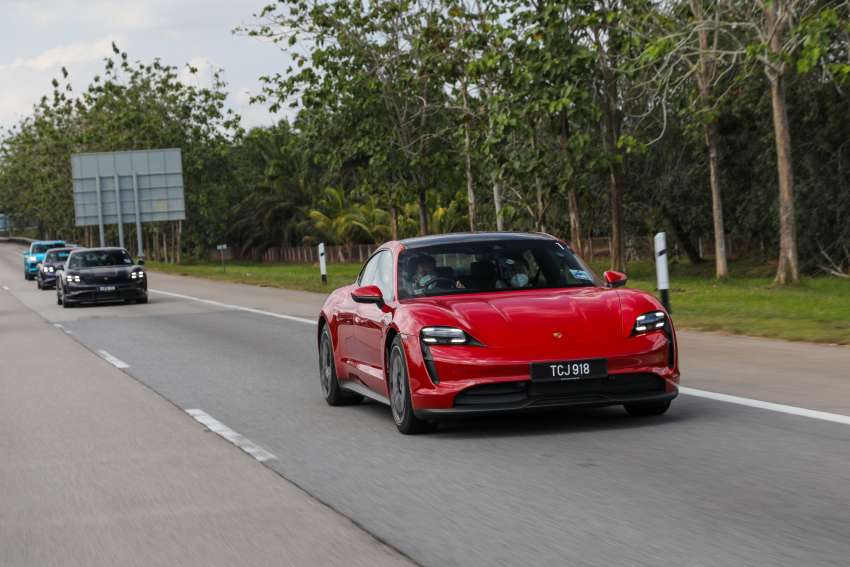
<point x="116" y="362"/>
<point x="237" y="439"/>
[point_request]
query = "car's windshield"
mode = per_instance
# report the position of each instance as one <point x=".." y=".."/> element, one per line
<point x="56" y="257"/>
<point x="497" y="265"/>
<point x="44" y="247"/>
<point x="98" y="258"/>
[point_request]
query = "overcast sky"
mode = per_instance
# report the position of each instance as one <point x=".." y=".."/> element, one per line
<point x="38" y="37"/>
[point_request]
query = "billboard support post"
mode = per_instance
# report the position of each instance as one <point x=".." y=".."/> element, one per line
<point x="100" y="214"/>
<point x="118" y="212"/>
<point x="140" y="241"/>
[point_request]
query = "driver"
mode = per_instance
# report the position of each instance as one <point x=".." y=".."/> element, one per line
<point x="425" y="275"/>
<point x="424" y="272"/>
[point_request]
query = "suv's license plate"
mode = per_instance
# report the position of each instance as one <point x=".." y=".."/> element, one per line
<point x="570" y="369"/>
<point x="105" y="288"/>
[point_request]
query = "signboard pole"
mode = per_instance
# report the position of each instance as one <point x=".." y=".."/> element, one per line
<point x="139" y="237"/>
<point x="100" y="213"/>
<point x="323" y="267"/>
<point x="661" y="269"/>
<point x="221" y="248"/>
<point x="118" y="212"/>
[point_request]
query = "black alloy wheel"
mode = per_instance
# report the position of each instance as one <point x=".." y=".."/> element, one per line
<point x="400" y="401"/>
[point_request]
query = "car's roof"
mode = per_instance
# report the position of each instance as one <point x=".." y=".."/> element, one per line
<point x="458" y="237"/>
<point x="102" y="249"/>
<point x="62" y="249"/>
<point x="48" y="242"/>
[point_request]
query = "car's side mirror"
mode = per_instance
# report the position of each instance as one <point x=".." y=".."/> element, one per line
<point x="615" y="279"/>
<point x="368" y="294"/>
<point x="141" y="262"/>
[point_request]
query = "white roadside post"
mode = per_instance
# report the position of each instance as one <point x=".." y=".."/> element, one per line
<point x="323" y="266"/>
<point x="661" y="269"/>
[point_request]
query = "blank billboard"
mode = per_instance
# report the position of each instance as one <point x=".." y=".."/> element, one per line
<point x="149" y="179"/>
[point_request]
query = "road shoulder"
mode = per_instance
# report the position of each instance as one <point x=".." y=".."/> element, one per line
<point x="99" y="470"/>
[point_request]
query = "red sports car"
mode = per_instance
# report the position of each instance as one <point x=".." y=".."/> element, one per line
<point x="484" y="323"/>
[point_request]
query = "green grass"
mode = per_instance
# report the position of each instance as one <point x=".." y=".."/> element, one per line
<point x="817" y="310"/>
<point x="289" y="276"/>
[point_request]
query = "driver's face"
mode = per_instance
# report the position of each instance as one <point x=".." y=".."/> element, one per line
<point x="425" y="268"/>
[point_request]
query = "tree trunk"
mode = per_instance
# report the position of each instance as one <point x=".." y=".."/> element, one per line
<point x="705" y="76"/>
<point x="720" y="264"/>
<point x="423" y="213"/>
<point x="575" y="220"/>
<point x="467" y="145"/>
<point x="611" y="133"/>
<point x="540" y="210"/>
<point x="682" y="237"/>
<point x="394" y="221"/>
<point x="788" y="270"/>
<point x="497" y="203"/>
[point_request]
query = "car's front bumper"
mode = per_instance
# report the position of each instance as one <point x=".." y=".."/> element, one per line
<point x="47" y="279"/>
<point x="478" y="380"/>
<point x="91" y="293"/>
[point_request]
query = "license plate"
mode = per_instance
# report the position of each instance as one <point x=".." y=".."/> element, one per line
<point x="569" y="370"/>
<point x="106" y="288"/>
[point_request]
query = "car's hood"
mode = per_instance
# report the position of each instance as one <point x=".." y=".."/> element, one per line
<point x="531" y="317"/>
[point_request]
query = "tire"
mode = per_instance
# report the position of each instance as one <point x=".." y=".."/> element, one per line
<point x="58" y="298"/>
<point x="142" y="301"/>
<point x="400" y="401"/>
<point x="647" y="409"/>
<point x="28" y="276"/>
<point x="331" y="391"/>
<point x="67" y="304"/>
<point x="38" y="283"/>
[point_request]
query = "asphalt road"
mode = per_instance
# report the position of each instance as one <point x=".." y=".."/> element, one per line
<point x="710" y="483"/>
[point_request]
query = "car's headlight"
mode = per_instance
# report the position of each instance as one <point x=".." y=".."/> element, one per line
<point x="72" y="278"/>
<point x="51" y="269"/>
<point x="45" y="269"/>
<point x="137" y="275"/>
<point x="443" y="336"/>
<point x="651" y="321"/>
<point x="32" y="259"/>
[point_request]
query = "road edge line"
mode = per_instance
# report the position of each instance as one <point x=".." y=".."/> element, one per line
<point x="237" y="307"/>
<point x="770" y="406"/>
<point x="233" y="437"/>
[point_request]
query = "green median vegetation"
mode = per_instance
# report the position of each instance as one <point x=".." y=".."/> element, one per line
<point x="816" y="310"/>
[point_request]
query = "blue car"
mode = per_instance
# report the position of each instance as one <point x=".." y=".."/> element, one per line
<point x="35" y="256"/>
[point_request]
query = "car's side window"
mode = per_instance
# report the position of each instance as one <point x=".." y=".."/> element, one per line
<point x="367" y="276"/>
<point x="384" y="275"/>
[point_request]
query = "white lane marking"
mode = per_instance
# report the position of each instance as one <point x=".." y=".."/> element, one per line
<point x="770" y="406"/>
<point x="58" y="325"/>
<point x="237" y="307"/>
<point x="237" y="439"/>
<point x="116" y="362"/>
<point x="5" y="288"/>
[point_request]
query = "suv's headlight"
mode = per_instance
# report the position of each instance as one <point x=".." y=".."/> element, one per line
<point x="444" y="336"/>
<point x="72" y="278"/>
<point x="652" y="321"/>
<point x="32" y="259"/>
<point x="137" y="275"/>
<point x="45" y="269"/>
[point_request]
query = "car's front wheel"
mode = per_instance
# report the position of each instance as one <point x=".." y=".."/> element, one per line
<point x="331" y="391"/>
<point x="645" y="409"/>
<point x="400" y="401"/>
